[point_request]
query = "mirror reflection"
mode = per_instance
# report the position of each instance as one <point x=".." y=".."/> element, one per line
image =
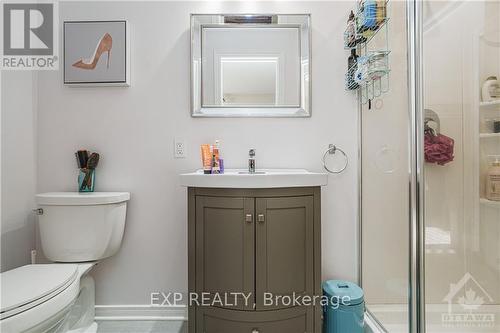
<point x="235" y="75"/>
<point x="249" y="81"/>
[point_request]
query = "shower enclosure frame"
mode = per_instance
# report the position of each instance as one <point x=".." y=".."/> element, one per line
<point x="416" y="299"/>
<point x="416" y="250"/>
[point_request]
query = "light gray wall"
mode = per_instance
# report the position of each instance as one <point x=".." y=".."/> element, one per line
<point x="18" y="181"/>
<point x="134" y="129"/>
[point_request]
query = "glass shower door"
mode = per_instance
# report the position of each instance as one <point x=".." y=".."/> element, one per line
<point x="461" y="50"/>
<point x="384" y="170"/>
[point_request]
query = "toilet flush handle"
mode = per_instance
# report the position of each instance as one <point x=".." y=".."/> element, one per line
<point x="38" y="211"/>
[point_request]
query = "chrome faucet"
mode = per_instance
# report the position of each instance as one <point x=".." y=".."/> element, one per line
<point x="251" y="161"/>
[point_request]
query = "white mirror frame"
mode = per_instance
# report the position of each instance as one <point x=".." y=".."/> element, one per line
<point x="302" y="21"/>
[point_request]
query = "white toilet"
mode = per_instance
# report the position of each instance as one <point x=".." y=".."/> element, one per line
<point x="76" y="231"/>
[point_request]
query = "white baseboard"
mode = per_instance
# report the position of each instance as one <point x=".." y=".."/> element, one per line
<point x="140" y="312"/>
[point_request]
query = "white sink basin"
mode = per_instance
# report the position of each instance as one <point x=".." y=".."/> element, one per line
<point x="262" y="178"/>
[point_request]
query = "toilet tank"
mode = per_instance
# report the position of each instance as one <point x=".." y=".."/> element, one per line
<point x="76" y="227"/>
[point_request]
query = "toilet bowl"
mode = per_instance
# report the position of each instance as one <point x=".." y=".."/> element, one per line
<point x="76" y="231"/>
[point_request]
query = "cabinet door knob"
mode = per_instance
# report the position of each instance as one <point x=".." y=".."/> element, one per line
<point x="255" y="330"/>
<point x="261" y="218"/>
<point x="248" y="218"/>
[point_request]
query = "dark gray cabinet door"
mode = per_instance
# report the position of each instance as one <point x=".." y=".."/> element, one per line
<point x="225" y="246"/>
<point x="284" y="249"/>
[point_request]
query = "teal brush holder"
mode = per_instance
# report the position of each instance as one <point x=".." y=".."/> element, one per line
<point x="86" y="180"/>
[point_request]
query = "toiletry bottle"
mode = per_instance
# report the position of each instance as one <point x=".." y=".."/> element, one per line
<point x="489" y="90"/>
<point x="215" y="150"/>
<point x="351" y="67"/>
<point x="360" y="17"/>
<point x="361" y="73"/>
<point x="381" y="11"/>
<point x="215" y="165"/>
<point x="351" y="30"/>
<point x="493" y="180"/>
<point x="370" y="13"/>
<point x="496" y="126"/>
<point x="218" y="153"/>
<point x="215" y="158"/>
<point x="206" y="158"/>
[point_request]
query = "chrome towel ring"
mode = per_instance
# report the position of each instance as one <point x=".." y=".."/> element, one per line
<point x="332" y="150"/>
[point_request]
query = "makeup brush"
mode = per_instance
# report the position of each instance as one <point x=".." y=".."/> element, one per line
<point x="78" y="160"/>
<point x="81" y="158"/>
<point x="92" y="163"/>
<point x="84" y="181"/>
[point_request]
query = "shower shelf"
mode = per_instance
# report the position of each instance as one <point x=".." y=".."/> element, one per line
<point x="491" y="203"/>
<point x="375" y="78"/>
<point x="374" y="88"/>
<point x="359" y="42"/>
<point x="359" y="36"/>
<point x="490" y="104"/>
<point x="489" y="135"/>
<point x="375" y="85"/>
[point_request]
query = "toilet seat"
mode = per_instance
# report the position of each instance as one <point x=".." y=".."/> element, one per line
<point x="25" y="287"/>
<point x="39" y="296"/>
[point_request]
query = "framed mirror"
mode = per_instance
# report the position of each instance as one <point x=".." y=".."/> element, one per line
<point x="250" y="65"/>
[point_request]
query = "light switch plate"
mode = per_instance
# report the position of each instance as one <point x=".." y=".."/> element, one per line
<point x="179" y="148"/>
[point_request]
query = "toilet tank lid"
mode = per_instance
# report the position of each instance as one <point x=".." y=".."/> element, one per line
<point x="81" y="199"/>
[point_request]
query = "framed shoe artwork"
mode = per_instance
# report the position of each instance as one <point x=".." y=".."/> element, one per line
<point x="96" y="53"/>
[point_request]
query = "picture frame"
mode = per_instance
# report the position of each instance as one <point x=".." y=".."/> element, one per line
<point x="96" y="53"/>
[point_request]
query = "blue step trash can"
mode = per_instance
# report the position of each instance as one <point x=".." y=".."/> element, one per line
<point x="346" y="307"/>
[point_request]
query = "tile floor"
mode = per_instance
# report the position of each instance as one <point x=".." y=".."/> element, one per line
<point x="394" y="318"/>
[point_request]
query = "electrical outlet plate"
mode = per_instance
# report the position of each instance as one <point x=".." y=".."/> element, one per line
<point x="179" y="148"/>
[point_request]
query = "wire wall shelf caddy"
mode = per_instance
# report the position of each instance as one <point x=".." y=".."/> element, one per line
<point x="367" y="39"/>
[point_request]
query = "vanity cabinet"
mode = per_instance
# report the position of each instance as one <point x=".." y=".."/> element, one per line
<point x="254" y="241"/>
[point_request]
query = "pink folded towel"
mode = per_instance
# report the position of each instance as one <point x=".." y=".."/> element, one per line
<point x="438" y="148"/>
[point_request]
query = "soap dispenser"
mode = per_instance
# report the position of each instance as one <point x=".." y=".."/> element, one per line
<point x="493" y="180"/>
